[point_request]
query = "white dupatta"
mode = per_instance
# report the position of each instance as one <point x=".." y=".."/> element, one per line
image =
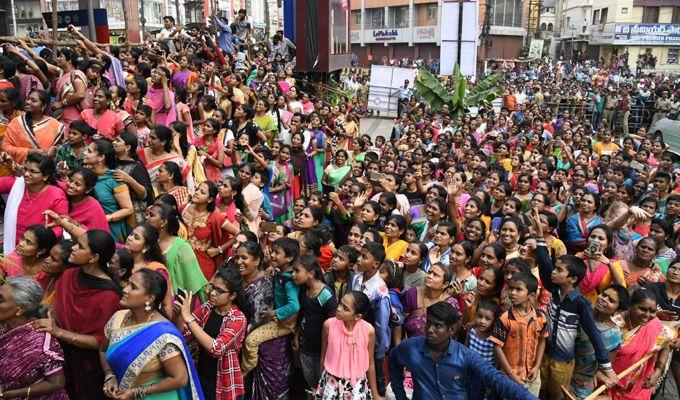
<point x="11" y="212"/>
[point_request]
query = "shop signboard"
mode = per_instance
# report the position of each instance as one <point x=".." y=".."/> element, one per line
<point x="647" y="34"/>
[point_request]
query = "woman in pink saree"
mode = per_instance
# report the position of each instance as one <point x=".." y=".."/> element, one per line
<point x="70" y="87"/>
<point x="641" y="333"/>
<point x="161" y="98"/>
<point x="252" y="197"/>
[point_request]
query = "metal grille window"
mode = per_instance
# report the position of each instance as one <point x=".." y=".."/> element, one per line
<point x="431" y="12"/>
<point x="673" y="55"/>
<point x="507" y="12"/>
<point x="400" y="17"/>
<point x="377" y="18"/>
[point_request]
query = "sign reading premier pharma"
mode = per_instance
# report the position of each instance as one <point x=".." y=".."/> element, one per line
<point x="653" y="34"/>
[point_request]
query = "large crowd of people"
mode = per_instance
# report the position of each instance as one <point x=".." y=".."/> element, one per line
<point x="184" y="219"/>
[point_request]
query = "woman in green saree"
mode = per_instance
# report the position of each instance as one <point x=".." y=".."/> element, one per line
<point x="265" y="122"/>
<point x="180" y="259"/>
<point x="336" y="172"/>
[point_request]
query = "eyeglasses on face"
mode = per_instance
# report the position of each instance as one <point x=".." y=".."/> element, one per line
<point x="212" y="288"/>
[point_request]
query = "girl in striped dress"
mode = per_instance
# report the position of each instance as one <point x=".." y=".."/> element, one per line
<point x="478" y="340"/>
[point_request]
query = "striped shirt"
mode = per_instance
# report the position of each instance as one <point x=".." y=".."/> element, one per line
<point x="567" y="316"/>
<point x="483" y="347"/>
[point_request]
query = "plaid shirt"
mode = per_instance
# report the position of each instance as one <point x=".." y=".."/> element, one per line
<point x="226" y="347"/>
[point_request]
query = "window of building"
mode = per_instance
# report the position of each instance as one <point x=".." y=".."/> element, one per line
<point x="603" y="15"/>
<point x="507" y="12"/>
<point x="357" y="17"/>
<point x="676" y="16"/>
<point x="673" y="55"/>
<point x="543" y="26"/>
<point x="399" y="17"/>
<point x="596" y="17"/>
<point x="377" y="18"/>
<point x="550" y="27"/>
<point x="650" y="15"/>
<point x="568" y="24"/>
<point x="431" y="12"/>
<point x="624" y="10"/>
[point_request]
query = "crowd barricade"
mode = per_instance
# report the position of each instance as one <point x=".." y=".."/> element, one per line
<point x="640" y="114"/>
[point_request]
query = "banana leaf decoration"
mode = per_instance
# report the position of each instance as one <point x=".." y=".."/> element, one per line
<point x="435" y="94"/>
<point x="429" y="88"/>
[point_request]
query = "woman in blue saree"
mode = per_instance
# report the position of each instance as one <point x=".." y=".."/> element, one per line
<point x="580" y="224"/>
<point x="143" y="355"/>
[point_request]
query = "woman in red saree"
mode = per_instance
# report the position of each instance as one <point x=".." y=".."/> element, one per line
<point x="641" y="333"/>
<point x="230" y="204"/>
<point x="210" y="150"/>
<point x="85" y="298"/>
<point x="204" y="225"/>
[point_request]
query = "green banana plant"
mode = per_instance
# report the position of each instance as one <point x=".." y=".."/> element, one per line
<point x="435" y="94"/>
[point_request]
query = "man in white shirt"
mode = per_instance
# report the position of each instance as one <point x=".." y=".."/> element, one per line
<point x="170" y="33"/>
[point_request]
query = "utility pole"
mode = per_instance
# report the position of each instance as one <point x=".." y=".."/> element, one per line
<point x="90" y="20"/>
<point x="142" y="20"/>
<point x="486" y="29"/>
<point x="55" y="24"/>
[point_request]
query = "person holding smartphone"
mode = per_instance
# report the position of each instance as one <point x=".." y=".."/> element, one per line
<point x="219" y="327"/>
<point x="603" y="268"/>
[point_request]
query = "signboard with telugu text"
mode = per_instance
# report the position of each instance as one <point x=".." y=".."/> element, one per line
<point x="647" y="34"/>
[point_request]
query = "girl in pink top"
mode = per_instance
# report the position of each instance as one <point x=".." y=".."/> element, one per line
<point x="347" y="343"/>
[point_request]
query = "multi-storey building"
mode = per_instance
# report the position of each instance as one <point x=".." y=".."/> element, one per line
<point x="28" y="13"/>
<point x="550" y="23"/>
<point x="575" y="20"/>
<point x="394" y="29"/>
<point x="636" y="28"/>
<point x="386" y="29"/>
<point x="508" y="26"/>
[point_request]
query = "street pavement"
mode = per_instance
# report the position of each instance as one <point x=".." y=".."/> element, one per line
<point x="377" y="126"/>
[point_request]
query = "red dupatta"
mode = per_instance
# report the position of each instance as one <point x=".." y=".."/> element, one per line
<point x="215" y="221"/>
<point x="84" y="303"/>
<point x="642" y="340"/>
<point x="593" y="278"/>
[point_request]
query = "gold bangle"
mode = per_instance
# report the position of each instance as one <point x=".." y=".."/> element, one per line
<point x="74" y="338"/>
<point x="28" y="393"/>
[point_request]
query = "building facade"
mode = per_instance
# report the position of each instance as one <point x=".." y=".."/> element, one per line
<point x="638" y="28"/>
<point x="29" y="21"/>
<point x="509" y="21"/>
<point x="550" y="24"/>
<point x="384" y="29"/>
<point x="575" y="30"/>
